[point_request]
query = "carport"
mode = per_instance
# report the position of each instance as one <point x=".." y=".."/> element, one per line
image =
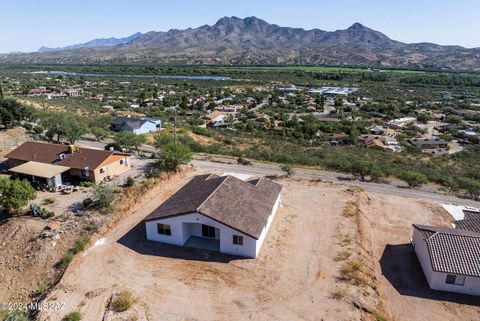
<point x="48" y="174"/>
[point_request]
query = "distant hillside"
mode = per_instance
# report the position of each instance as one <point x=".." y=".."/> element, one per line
<point x="94" y="43"/>
<point x="254" y="41"/>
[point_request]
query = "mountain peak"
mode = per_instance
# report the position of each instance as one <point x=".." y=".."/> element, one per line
<point x="357" y="26"/>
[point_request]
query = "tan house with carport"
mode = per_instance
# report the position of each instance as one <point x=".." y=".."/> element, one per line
<point x="86" y="163"/>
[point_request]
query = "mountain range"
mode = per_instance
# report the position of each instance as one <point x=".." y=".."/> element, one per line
<point x="233" y="40"/>
<point x="107" y="42"/>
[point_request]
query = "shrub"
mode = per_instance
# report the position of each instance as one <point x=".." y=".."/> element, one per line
<point x="41" y="212"/>
<point x="80" y="244"/>
<point x="123" y="301"/>
<point x="339" y="293"/>
<point x="15" y="194"/>
<point x="413" y="179"/>
<point x="287" y="169"/>
<point x="27" y="126"/>
<point x="14" y="316"/>
<point x="87" y="183"/>
<point x="103" y="197"/>
<point x="73" y="316"/>
<point x="48" y="201"/>
<point x="38" y="130"/>
<point x="87" y="203"/>
<point x="130" y="181"/>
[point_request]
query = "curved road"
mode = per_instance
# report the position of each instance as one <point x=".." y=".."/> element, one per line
<point x="265" y="169"/>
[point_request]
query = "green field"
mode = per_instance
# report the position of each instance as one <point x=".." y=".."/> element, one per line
<point x="319" y="69"/>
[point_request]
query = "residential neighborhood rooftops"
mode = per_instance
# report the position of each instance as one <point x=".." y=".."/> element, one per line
<point x="242" y="205"/>
<point x="451" y="250"/>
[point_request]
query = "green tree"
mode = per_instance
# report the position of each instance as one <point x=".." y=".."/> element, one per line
<point x="15" y="194"/>
<point x="364" y="169"/>
<point x="99" y="133"/>
<point x="413" y="179"/>
<point x="12" y="112"/>
<point x="75" y="128"/>
<point x="173" y="155"/>
<point x="287" y="169"/>
<point x="471" y="186"/>
<point x="129" y="141"/>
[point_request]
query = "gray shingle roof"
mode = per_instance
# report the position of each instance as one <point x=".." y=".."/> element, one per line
<point x="471" y="224"/>
<point x="452" y="250"/>
<point x="471" y="214"/>
<point x="241" y="205"/>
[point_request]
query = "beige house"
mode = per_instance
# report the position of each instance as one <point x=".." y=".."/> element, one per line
<point x="86" y="163"/>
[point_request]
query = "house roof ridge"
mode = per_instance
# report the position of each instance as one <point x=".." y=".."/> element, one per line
<point x="213" y="192"/>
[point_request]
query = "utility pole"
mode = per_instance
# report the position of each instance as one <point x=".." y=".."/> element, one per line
<point x="175" y="125"/>
<point x="1" y="91"/>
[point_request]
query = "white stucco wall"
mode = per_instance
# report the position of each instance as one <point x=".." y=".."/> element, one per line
<point x="190" y="224"/>
<point x="267" y="226"/>
<point x="436" y="280"/>
<point x="146" y="128"/>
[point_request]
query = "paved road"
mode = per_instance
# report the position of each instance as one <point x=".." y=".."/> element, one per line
<point x="263" y="169"/>
<point x="312" y="174"/>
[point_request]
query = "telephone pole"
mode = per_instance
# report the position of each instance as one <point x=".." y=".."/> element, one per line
<point x="175" y="125"/>
<point x="1" y="91"/>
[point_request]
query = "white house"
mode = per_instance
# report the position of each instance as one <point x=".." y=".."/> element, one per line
<point x="450" y="258"/>
<point x="135" y="125"/>
<point x="220" y="213"/>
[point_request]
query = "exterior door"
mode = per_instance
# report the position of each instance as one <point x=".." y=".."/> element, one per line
<point x="208" y="231"/>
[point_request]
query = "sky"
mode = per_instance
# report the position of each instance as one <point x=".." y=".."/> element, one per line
<point x="26" y="25"/>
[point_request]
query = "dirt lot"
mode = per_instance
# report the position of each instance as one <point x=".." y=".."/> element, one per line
<point x="296" y="277"/>
<point x="293" y="279"/>
<point x="403" y="289"/>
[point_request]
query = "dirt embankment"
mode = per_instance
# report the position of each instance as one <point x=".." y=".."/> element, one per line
<point x="29" y="249"/>
<point x="401" y="291"/>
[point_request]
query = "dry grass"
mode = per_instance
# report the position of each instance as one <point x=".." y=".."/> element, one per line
<point x="352" y="271"/>
<point x="339" y="293"/>
<point x="342" y="256"/>
<point x="346" y="240"/>
<point x="350" y="209"/>
<point x="123" y="301"/>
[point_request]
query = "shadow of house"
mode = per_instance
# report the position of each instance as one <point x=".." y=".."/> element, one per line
<point x="136" y="240"/>
<point x="400" y="266"/>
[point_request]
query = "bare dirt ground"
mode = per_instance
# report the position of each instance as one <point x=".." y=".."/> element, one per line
<point x="403" y="289"/>
<point x="293" y="279"/>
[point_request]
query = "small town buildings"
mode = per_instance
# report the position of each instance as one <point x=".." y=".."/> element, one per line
<point x="401" y="122"/>
<point x="134" y="125"/>
<point x="62" y="162"/>
<point x="380" y="142"/>
<point x="449" y="257"/>
<point x="219" y="213"/>
<point x="216" y="119"/>
<point x="429" y="143"/>
<point x="333" y="91"/>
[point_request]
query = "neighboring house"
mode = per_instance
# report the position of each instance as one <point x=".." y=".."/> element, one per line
<point x="428" y="143"/>
<point x="401" y="122"/>
<point x="216" y="119"/>
<point x="450" y="258"/>
<point x="380" y="142"/>
<point x="88" y="164"/>
<point x="135" y="125"/>
<point x="220" y="213"/>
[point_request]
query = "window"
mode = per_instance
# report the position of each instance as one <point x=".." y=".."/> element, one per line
<point x="455" y="279"/>
<point x="164" y="229"/>
<point x="238" y="239"/>
<point x="208" y="231"/>
<point x="103" y="170"/>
